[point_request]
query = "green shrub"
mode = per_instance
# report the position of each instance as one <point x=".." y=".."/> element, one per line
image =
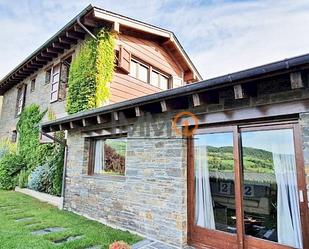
<point x="56" y="168"/>
<point x="40" y="179"/>
<point x="23" y="179"/>
<point x="10" y="166"/>
<point x="90" y="71"/>
<point x="6" y="146"/>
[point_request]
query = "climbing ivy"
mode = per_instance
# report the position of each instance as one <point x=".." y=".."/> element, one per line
<point x="91" y="70"/>
<point x="29" y="146"/>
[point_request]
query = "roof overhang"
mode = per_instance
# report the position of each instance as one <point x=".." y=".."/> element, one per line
<point x="91" y="17"/>
<point x="178" y="98"/>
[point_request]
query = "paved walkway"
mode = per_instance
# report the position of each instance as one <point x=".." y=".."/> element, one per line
<point x="150" y="244"/>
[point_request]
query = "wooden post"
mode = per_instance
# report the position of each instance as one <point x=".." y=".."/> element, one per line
<point x="196" y="100"/>
<point x="163" y="106"/>
<point x="296" y="80"/>
<point x="137" y="111"/>
<point x="239" y="91"/>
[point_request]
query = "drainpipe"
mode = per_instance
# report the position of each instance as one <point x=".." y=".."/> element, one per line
<point x="64" y="163"/>
<point x="84" y="28"/>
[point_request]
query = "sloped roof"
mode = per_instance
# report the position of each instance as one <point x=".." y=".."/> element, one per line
<point x="91" y="17"/>
<point x="182" y="94"/>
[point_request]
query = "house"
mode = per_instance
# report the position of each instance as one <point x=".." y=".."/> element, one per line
<point x="148" y="60"/>
<point x="222" y="163"/>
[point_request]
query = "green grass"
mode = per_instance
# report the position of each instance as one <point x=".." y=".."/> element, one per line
<point x="17" y="235"/>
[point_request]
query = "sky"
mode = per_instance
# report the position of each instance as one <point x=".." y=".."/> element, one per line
<point x="275" y="141"/>
<point x="219" y="36"/>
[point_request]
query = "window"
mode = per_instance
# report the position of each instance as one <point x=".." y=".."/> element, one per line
<point x="139" y="70"/>
<point x="21" y="96"/>
<point x="55" y="77"/>
<point x="48" y="76"/>
<point x="247" y="177"/>
<point x="108" y="156"/>
<point x="159" y="80"/>
<point x="32" y="85"/>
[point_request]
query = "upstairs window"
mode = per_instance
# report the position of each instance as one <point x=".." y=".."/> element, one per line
<point x="55" y="78"/>
<point x="159" y="80"/>
<point x="139" y="70"/>
<point x="108" y="156"/>
<point x="48" y="75"/>
<point x="32" y="85"/>
<point x="147" y="74"/>
<point x="20" y="102"/>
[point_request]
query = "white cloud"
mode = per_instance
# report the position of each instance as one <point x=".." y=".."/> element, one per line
<point x="220" y="36"/>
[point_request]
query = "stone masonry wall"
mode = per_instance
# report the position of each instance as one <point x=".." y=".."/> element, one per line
<point x="150" y="199"/>
<point x="40" y="96"/>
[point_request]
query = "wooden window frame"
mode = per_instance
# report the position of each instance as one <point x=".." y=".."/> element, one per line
<point x="91" y="153"/>
<point x="221" y="239"/>
<point x="150" y="69"/>
<point x="20" y="98"/>
<point x="161" y="74"/>
<point x="33" y="84"/>
<point x="49" y="69"/>
<point x="52" y="84"/>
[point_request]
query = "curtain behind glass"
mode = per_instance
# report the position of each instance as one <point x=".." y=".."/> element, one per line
<point x="99" y="157"/>
<point x="203" y="200"/>
<point x="288" y="214"/>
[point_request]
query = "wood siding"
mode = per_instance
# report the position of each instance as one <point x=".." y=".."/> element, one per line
<point x="125" y="87"/>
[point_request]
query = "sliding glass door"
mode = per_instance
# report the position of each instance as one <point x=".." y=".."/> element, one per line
<point x="244" y="188"/>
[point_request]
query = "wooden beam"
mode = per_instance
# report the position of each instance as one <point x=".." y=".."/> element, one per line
<point x="99" y="119"/>
<point x="296" y="80"/>
<point x="79" y="29"/>
<point x="37" y="63"/>
<point x="163" y="106"/>
<point x="67" y="40"/>
<point x="115" y="116"/>
<point x="90" y="23"/>
<point x="72" y="125"/>
<point x="61" y="45"/>
<point x="116" y="27"/>
<point x="32" y="67"/>
<point x="55" y="50"/>
<point x="16" y="77"/>
<point x="74" y="35"/>
<point x="138" y="111"/>
<point x="43" y="57"/>
<point x="48" y="55"/>
<point x="239" y="92"/>
<point x="196" y="100"/>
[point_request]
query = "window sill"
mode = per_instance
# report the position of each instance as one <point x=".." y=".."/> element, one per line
<point x="120" y="178"/>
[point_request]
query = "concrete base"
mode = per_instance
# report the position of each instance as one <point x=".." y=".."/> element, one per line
<point x="53" y="200"/>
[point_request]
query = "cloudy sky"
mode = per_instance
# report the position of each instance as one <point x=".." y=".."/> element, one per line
<point x="220" y="36"/>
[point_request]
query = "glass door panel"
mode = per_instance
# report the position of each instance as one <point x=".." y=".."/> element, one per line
<point x="214" y="182"/>
<point x="270" y="192"/>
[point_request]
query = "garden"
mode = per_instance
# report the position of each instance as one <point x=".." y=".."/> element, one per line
<point x="28" y="223"/>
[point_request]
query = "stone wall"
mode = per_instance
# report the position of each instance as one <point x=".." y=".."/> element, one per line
<point x="150" y="199"/>
<point x="40" y="96"/>
<point x="304" y="124"/>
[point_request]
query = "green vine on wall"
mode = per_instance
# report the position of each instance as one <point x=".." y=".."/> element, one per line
<point x="29" y="146"/>
<point x="90" y="72"/>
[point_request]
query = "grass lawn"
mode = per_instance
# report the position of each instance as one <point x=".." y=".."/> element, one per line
<point x="17" y="234"/>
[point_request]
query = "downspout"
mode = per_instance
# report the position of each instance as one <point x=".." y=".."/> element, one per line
<point x="84" y="28"/>
<point x="64" y="163"/>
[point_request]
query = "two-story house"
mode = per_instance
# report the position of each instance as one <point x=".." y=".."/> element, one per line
<point x="148" y="60"/>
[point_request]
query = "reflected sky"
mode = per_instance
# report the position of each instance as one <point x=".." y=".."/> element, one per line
<point x="277" y="141"/>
